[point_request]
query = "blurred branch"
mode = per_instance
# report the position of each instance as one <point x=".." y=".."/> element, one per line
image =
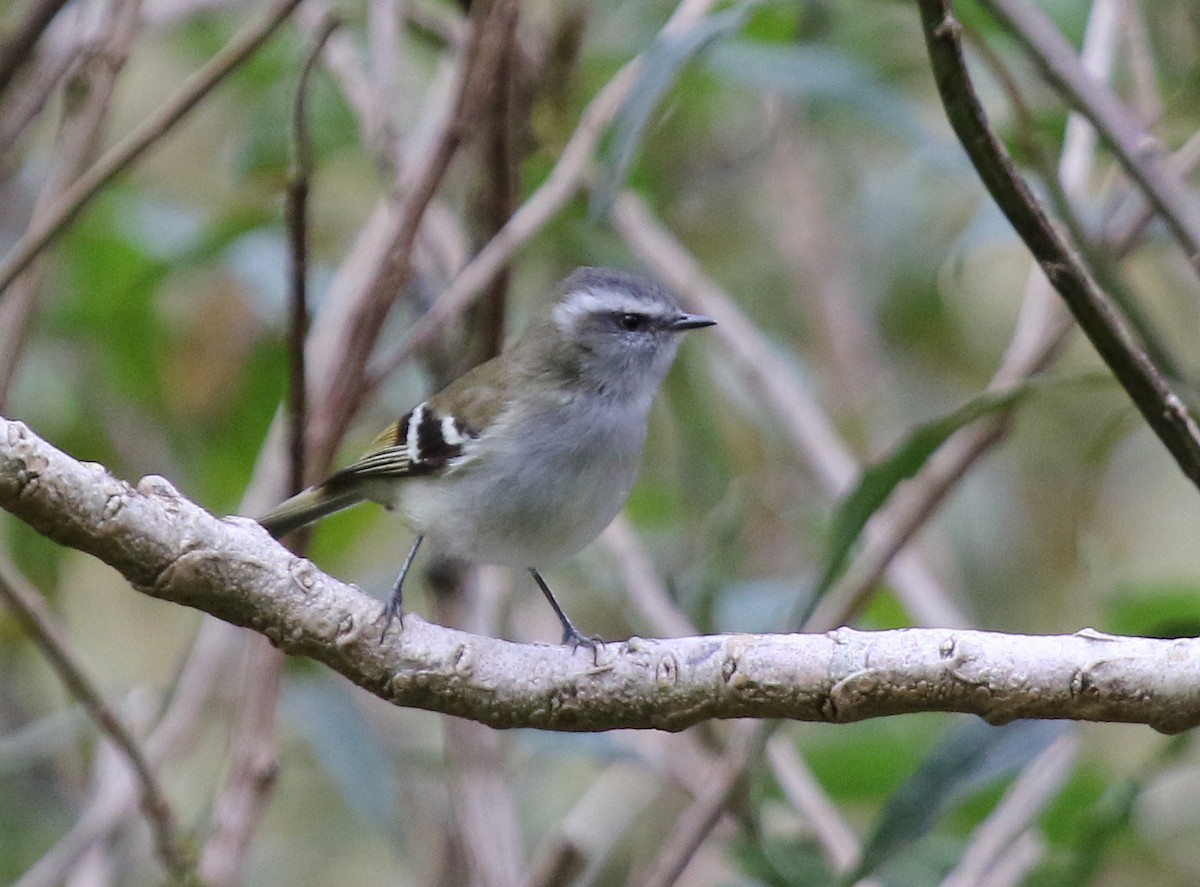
<point x="1141" y="155"/>
<point x="1139" y="55"/>
<point x="501" y="186"/>
<point x="1042" y="328"/>
<point x="170" y="548"/>
<point x="594" y="826"/>
<point x="1130" y="220"/>
<point x="485" y="810"/>
<point x="694" y="824"/>
<point x="75" y="146"/>
<point x="16" y="49"/>
<point x="1023" y="802"/>
<point x="562" y="183"/>
<point x="646" y="592"/>
<point x="118" y="158"/>
<point x="1160" y="406"/>
<point x="341" y="61"/>
<point x="480" y="62"/>
<point x="113" y="793"/>
<point x="485" y="820"/>
<point x="643" y="587"/>
<point x="802" y="417"/>
<point x="31" y="94"/>
<point x="37" y="622"/>
<point x="840" y="844"/>
<point x="386" y="84"/>
<point x="238" y="808"/>
<point x="296" y="213"/>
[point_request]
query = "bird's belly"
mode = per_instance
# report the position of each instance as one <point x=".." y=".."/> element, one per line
<point x="526" y="509"/>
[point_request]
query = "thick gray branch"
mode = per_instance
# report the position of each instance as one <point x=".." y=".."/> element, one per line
<point x="171" y="548"/>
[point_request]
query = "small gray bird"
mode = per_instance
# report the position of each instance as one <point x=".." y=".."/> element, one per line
<point x="525" y="459"/>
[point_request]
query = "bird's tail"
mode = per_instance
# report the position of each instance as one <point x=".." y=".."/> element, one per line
<point x="306" y="507"/>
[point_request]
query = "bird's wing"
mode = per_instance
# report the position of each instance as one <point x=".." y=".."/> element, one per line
<point x="419" y="443"/>
<point x="435" y="436"/>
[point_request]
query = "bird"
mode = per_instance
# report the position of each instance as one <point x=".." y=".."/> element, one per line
<point x="525" y="459"/>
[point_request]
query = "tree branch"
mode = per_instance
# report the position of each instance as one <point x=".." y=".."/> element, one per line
<point x="118" y="158"/>
<point x="172" y="549"/>
<point x="1161" y="407"/>
<point x="1143" y="157"/>
<point x="16" y="49"/>
<point x="35" y="619"/>
<point x="559" y="186"/>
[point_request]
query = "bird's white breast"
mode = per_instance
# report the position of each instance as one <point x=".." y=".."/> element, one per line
<point x="538" y="488"/>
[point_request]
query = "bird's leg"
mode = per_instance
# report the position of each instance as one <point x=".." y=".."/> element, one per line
<point x="393" y="605"/>
<point x="571" y="635"/>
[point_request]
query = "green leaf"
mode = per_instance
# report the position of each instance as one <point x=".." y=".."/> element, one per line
<point x="783" y="862"/>
<point x="972" y="757"/>
<point x="1157" y="610"/>
<point x="660" y="67"/>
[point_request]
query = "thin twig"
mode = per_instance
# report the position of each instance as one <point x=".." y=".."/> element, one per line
<point x="803" y="419"/>
<point x="299" y="178"/>
<point x="113" y="795"/>
<point x="238" y="808"/>
<point x="1162" y="408"/>
<point x="562" y="183"/>
<point x="485" y="820"/>
<point x="1141" y="155"/>
<point x="75" y="147"/>
<point x="16" y="49"/>
<point x="837" y="839"/>
<point x="118" y="158"/>
<point x="1024" y="800"/>
<point x="479" y="65"/>
<point x="1104" y="19"/>
<point x="37" y="622"/>
<point x="693" y="825"/>
<point x="1042" y="329"/>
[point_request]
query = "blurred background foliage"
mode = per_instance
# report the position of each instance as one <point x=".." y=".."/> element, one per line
<point x="801" y="153"/>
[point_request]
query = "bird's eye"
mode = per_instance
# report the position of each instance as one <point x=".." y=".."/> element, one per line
<point x="631" y="322"/>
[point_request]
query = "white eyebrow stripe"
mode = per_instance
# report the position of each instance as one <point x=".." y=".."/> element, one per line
<point x="584" y="302"/>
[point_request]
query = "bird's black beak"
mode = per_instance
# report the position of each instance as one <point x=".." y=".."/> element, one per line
<point x="689" y="322"/>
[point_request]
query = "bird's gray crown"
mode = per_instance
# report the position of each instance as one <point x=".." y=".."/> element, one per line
<point x="593" y="291"/>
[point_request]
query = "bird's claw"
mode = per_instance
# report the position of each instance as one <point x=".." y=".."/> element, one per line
<point x="575" y="640"/>
<point x="392" y="611"/>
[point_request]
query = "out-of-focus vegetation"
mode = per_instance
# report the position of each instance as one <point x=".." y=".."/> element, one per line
<point x="801" y="154"/>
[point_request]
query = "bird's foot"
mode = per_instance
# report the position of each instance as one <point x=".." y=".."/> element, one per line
<point x="575" y="640"/>
<point x="393" y="611"/>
